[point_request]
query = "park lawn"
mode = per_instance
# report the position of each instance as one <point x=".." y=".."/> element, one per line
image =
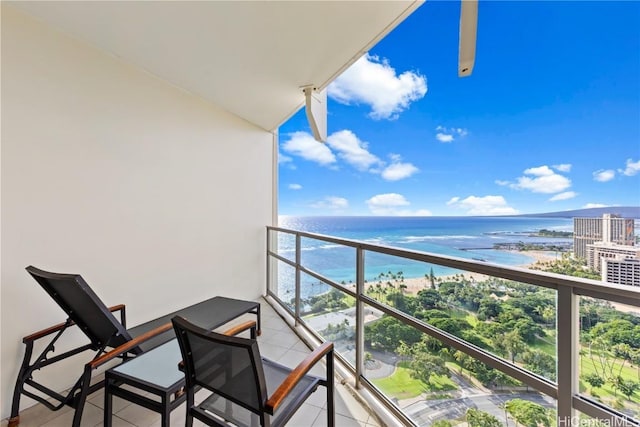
<point x="587" y="367"/>
<point x="401" y="385"/>
<point x="441" y="383"/>
<point x="472" y="319"/>
<point x="546" y="345"/>
<point x="469" y="316"/>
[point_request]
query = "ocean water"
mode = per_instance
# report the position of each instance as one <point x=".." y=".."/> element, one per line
<point x="464" y="237"/>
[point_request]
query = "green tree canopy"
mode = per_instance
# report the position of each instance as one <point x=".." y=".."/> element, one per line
<point x="429" y="299"/>
<point x="489" y="308"/>
<point x="540" y="362"/>
<point x="477" y="418"/>
<point x="387" y="333"/>
<point x="594" y="380"/>
<point x="424" y="365"/>
<point x="618" y="331"/>
<point x="528" y="413"/>
<point x="627" y="387"/>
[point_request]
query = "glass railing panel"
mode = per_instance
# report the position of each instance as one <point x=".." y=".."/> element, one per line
<point x="335" y="262"/>
<point x="331" y="314"/>
<point x="609" y="355"/>
<point x="431" y="382"/>
<point x="282" y="282"/>
<point x="512" y="320"/>
<point x="284" y="244"/>
<point x="388" y="278"/>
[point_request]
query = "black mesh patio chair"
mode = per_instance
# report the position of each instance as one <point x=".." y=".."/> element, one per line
<point x="108" y="339"/>
<point x="247" y="390"/>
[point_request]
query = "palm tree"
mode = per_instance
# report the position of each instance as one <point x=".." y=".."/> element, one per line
<point x="379" y="290"/>
<point x="390" y="285"/>
<point x="461" y="358"/>
<point x="514" y="344"/>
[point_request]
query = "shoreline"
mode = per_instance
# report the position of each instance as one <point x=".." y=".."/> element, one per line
<point x="415" y="284"/>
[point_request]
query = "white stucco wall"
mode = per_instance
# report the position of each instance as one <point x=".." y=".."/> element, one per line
<point x="156" y="197"/>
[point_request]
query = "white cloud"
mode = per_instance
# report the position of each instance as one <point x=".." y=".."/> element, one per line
<point x="540" y="179"/>
<point x="485" y="205"/>
<point x="372" y="81"/>
<point x="453" y="201"/>
<point x="284" y="159"/>
<point x="563" y="196"/>
<point x="565" y="167"/>
<point x="392" y="204"/>
<point x="442" y="137"/>
<point x="295" y="187"/>
<point x="352" y="150"/>
<point x="539" y="171"/>
<point x="346" y="146"/>
<point x="331" y="203"/>
<point x="632" y="168"/>
<point x="387" y="200"/>
<point x="594" y="205"/>
<point x="449" y="134"/>
<point x="398" y="170"/>
<point x="302" y="144"/>
<point x="604" y="175"/>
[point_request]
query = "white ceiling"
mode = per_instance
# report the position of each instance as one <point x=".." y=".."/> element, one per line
<point x="248" y="57"/>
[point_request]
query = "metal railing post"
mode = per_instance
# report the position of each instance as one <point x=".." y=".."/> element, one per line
<point x="268" y="266"/>
<point x="568" y="348"/>
<point x="359" y="315"/>
<point x="296" y="305"/>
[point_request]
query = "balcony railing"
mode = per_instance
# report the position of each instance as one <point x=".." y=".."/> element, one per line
<point x="383" y="332"/>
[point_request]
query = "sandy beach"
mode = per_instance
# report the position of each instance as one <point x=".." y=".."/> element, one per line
<point x="417" y="283"/>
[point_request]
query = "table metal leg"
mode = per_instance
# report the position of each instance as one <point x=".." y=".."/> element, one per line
<point x="165" y="413"/>
<point x="108" y="404"/>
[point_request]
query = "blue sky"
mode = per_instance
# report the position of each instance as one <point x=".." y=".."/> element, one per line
<point x="548" y="121"/>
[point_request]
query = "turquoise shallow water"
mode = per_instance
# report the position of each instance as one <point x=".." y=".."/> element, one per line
<point x="464" y="237"/>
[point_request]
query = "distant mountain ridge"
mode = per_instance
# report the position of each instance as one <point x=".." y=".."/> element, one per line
<point x="623" y="211"/>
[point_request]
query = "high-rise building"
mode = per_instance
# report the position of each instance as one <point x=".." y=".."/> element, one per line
<point x="599" y="251"/>
<point x="609" y="229"/>
<point x="621" y="271"/>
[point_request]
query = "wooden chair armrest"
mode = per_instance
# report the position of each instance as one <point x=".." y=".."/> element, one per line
<point x="123" y="348"/>
<point x="123" y="316"/>
<point x="296" y="375"/>
<point x="118" y="307"/>
<point x="55" y="328"/>
<point x="249" y="324"/>
<point x="48" y="331"/>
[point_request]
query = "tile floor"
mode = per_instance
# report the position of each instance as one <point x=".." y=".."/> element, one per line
<point x="277" y="342"/>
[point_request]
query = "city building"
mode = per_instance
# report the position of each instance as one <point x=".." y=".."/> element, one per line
<point x="599" y="251"/>
<point x="621" y="271"/>
<point x="610" y="228"/>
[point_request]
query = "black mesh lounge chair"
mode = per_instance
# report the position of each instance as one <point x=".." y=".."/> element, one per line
<point x="247" y="390"/>
<point x="109" y="338"/>
<point x="97" y="322"/>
